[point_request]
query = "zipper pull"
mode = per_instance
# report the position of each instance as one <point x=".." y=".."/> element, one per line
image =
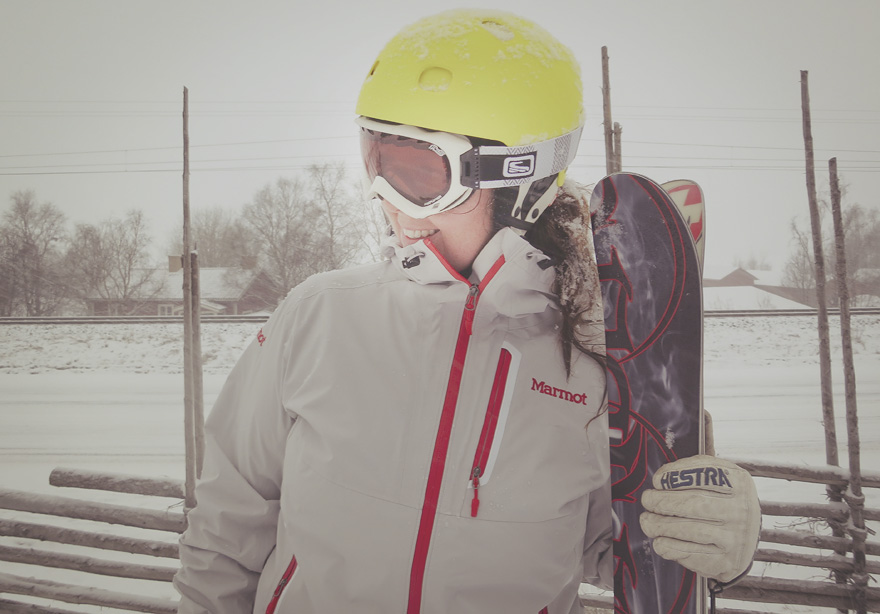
<point x="470" y="308"/>
<point x="280" y="588"/>
<point x="475" y="502"/>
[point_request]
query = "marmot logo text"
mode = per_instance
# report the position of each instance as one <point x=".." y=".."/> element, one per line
<point x="559" y="393"/>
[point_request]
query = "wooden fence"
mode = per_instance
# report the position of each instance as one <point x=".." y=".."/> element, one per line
<point x="44" y="536"/>
<point x="39" y="543"/>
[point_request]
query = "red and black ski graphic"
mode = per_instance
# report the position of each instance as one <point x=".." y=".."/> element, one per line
<point x="652" y="294"/>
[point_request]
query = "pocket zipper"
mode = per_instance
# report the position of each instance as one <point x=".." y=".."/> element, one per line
<point x="285" y="580"/>
<point x="494" y="422"/>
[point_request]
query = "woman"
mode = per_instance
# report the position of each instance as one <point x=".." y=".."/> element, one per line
<point x="428" y="433"/>
<point x="412" y="435"/>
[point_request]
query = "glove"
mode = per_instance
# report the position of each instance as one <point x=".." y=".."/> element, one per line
<point x="705" y="515"/>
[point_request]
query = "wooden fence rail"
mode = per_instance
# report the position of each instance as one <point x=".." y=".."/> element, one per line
<point x="809" y="540"/>
<point x="91" y="539"/>
<point x="831" y="551"/>
<point x="70" y="507"/>
<point x="809" y="592"/>
<point x="41" y="544"/>
<point x="76" y="478"/>
<point x="47" y="589"/>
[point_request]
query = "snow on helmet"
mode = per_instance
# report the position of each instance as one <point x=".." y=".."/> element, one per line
<point x="486" y="75"/>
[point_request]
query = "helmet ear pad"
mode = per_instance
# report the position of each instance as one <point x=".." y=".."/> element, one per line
<point x="520" y="206"/>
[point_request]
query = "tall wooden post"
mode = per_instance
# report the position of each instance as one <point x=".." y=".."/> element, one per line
<point x="618" y="157"/>
<point x="188" y="409"/>
<point x="854" y="498"/>
<point x="819" y="268"/>
<point x="606" y="113"/>
<point x="834" y="493"/>
<point x="198" y="389"/>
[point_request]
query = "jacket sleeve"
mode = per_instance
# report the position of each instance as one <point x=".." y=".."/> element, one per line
<point x="232" y="530"/>
<point x="598" y="556"/>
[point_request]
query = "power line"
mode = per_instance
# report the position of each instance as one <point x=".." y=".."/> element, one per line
<point x="175" y="147"/>
<point x="759" y="147"/>
<point x="352" y="137"/>
<point x="351" y="103"/>
<point x="288" y="167"/>
<point x="134" y="164"/>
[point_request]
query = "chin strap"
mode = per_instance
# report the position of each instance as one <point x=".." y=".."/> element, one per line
<point x="531" y="201"/>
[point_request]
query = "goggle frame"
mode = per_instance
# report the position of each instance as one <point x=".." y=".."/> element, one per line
<point x="473" y="167"/>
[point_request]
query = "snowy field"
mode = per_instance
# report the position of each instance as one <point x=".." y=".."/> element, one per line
<point x="108" y="397"/>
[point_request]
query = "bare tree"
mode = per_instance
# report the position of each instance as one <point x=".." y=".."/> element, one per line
<point x="753" y="263"/>
<point x="110" y="261"/>
<point x="861" y="228"/>
<point x="352" y="228"/>
<point x="799" y="274"/>
<point x="862" y="238"/>
<point x="87" y="266"/>
<point x="222" y="238"/>
<point x="8" y="287"/>
<point x="284" y="220"/>
<point x="375" y="229"/>
<point x="326" y="183"/>
<point x="31" y="236"/>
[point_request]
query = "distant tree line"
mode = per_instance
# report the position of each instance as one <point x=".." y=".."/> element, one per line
<point x="290" y="229"/>
<point x="862" y="241"/>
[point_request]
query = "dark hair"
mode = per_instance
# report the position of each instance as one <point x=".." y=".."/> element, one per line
<point x="563" y="232"/>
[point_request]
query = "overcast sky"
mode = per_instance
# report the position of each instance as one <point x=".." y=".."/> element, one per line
<point x="90" y="109"/>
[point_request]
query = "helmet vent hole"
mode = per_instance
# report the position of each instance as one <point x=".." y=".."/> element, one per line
<point x="499" y="30"/>
<point x="435" y="79"/>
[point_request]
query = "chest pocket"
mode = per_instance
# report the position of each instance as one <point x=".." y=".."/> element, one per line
<point x="497" y="414"/>
<point x="534" y="458"/>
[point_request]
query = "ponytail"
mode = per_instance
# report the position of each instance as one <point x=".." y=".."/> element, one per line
<point x="564" y="233"/>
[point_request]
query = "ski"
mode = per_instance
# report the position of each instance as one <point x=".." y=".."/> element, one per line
<point x="688" y="196"/>
<point x="651" y="288"/>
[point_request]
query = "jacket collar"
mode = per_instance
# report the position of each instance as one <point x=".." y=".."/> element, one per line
<point x="521" y="285"/>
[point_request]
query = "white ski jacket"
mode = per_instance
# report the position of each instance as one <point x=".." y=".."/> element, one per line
<point x="399" y="439"/>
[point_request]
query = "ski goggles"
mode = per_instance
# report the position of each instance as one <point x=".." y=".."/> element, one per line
<point x="424" y="172"/>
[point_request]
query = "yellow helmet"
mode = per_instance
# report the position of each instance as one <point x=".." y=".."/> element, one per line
<point x="484" y="74"/>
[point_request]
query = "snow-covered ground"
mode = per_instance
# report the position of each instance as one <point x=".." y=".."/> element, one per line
<point x="108" y="397"/>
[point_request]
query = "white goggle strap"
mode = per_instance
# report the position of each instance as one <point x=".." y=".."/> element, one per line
<point x="495" y="166"/>
<point x="522" y="218"/>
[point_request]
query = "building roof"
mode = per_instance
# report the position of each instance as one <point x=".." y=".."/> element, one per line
<point x="745" y="298"/>
<point x="767" y="278"/>
<point x="215" y="284"/>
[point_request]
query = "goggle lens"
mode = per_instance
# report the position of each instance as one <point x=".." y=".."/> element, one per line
<point x="418" y="170"/>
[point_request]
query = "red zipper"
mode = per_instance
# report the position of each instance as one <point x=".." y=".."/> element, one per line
<point x="285" y="579"/>
<point x="441" y="442"/>
<point x="490" y="424"/>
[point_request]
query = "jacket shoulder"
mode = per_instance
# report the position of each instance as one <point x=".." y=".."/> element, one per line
<point x="311" y="295"/>
<point x="351" y="278"/>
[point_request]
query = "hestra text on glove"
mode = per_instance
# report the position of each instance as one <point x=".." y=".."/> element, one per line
<point x="704" y="513"/>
